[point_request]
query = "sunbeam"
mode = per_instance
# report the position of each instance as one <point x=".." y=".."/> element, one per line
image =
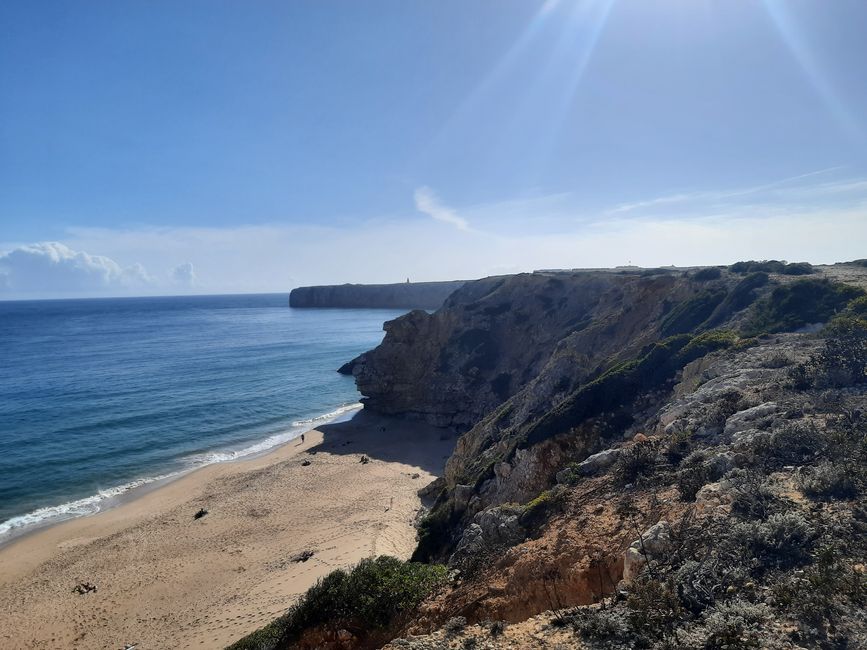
<point x="792" y="35"/>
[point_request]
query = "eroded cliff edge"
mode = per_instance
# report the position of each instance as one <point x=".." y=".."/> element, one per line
<point x="405" y="295"/>
<point x="646" y="458"/>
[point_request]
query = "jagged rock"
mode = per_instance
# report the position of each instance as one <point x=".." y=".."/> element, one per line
<point x="432" y="489"/>
<point x="654" y="542"/>
<point x="598" y="463"/>
<point x="746" y="419"/>
<point x="713" y="496"/>
<point x="462" y="496"/>
<point x="745" y="437"/>
<point x="491" y="530"/>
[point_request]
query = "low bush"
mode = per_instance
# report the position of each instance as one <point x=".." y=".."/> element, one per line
<point x="753" y="266"/>
<point x="798" y="268"/>
<point x="800" y="303"/>
<point x="818" y="594"/>
<point x="690" y="314"/>
<point x="634" y="462"/>
<point x="735" y="624"/>
<point x="829" y="481"/>
<point x="691" y="479"/>
<point x="594" y="623"/>
<point x="678" y="447"/>
<point x="623" y="382"/>
<point x="752" y="495"/>
<point x="707" y="274"/>
<point x="373" y="595"/>
<point x="455" y="625"/>
<point x="783" y="540"/>
<point x="792" y="443"/>
<point x="843" y="358"/>
<point x="654" y="608"/>
<point x="772" y="266"/>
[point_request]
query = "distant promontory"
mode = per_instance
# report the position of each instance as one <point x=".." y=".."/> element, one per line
<point x="405" y="295"/>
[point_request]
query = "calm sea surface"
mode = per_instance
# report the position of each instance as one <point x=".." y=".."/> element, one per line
<point x="98" y="396"/>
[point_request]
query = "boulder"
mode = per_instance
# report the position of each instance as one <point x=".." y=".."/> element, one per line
<point x="747" y="419"/>
<point x="597" y="463"/>
<point x="653" y="543"/>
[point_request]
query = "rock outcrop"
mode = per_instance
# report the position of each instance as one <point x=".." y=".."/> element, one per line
<point x="406" y="295"/>
<point x="660" y="458"/>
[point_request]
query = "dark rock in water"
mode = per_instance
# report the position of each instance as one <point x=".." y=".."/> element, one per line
<point x="346" y="368"/>
<point x="305" y="463"/>
<point x="201" y="513"/>
<point x="405" y="295"/>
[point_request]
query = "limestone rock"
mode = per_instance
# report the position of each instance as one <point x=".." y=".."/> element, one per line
<point x="654" y="542"/>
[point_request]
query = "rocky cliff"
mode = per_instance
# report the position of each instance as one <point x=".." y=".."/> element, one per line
<point x="407" y="295"/>
<point x="647" y="458"/>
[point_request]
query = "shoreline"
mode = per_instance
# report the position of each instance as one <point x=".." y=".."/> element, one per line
<point x="138" y="487"/>
<point x="166" y="579"/>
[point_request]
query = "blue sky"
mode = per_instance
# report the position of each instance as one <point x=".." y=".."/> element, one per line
<point x="253" y="146"/>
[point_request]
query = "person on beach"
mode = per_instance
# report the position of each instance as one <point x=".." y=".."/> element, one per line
<point x="302" y="438"/>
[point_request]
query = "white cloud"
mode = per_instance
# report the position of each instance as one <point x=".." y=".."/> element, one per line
<point x="820" y="223"/>
<point x="184" y="275"/>
<point x="54" y="268"/>
<point x="427" y="202"/>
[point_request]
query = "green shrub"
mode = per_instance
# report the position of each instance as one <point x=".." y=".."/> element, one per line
<point x="752" y="266"/>
<point x="434" y="533"/>
<point x="800" y="303"/>
<point x="539" y="509"/>
<point x="740" y="297"/>
<point x="634" y="462"/>
<point x="792" y="443"/>
<point x="828" y="481"/>
<point x="690" y="314"/>
<point x="691" y="479"/>
<point x="707" y="274"/>
<point x="624" y="381"/>
<point x="843" y="359"/>
<point x="654" y="607"/>
<point x="594" y="623"/>
<point x="784" y="539"/>
<point x="735" y="624"/>
<point x="798" y="268"/>
<point x="818" y="594"/>
<point x="370" y="597"/>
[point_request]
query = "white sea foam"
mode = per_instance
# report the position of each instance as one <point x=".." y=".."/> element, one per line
<point x="78" y="508"/>
<point x="93" y="504"/>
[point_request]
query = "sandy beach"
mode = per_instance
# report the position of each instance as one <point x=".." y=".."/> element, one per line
<point x="167" y="580"/>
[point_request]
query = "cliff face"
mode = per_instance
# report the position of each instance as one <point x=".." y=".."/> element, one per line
<point x="494" y="338"/>
<point x="415" y="295"/>
<point x="686" y="447"/>
<point x="528" y="367"/>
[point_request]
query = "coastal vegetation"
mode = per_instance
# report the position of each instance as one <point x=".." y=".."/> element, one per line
<point x="686" y="469"/>
<point x="361" y="602"/>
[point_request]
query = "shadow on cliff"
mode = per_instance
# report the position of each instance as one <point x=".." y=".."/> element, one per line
<point x="390" y="439"/>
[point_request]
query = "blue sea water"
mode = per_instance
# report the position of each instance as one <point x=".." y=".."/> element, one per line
<point x="99" y="396"/>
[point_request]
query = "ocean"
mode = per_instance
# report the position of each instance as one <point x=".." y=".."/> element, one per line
<point x="99" y="396"/>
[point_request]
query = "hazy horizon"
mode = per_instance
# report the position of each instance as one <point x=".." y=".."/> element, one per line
<point x="158" y="148"/>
